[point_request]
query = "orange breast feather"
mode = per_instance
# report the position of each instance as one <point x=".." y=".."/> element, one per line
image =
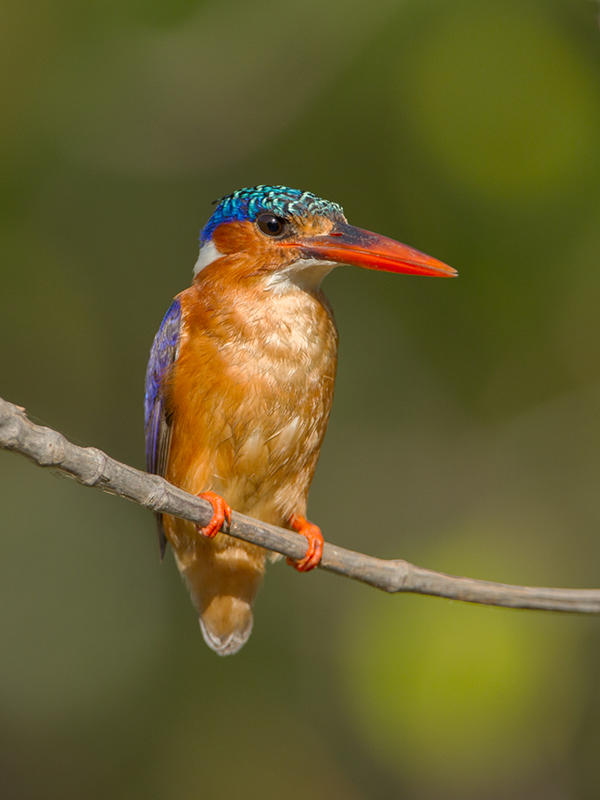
<point x="249" y="397"/>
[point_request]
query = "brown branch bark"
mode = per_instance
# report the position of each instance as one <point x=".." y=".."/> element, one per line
<point x="92" y="467"/>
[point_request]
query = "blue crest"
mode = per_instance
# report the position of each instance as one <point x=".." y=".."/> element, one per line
<point x="247" y="204"/>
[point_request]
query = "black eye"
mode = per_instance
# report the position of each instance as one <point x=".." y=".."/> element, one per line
<point x="271" y="225"/>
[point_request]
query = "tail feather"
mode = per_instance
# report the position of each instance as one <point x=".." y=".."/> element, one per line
<point x="223" y="585"/>
<point x="226" y="624"/>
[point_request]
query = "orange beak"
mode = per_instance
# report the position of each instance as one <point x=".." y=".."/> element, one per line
<point x="349" y="245"/>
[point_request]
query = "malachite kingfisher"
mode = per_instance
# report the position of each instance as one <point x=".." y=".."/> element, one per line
<point x="240" y="383"/>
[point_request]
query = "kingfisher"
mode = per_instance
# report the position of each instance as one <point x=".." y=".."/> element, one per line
<point x="240" y="381"/>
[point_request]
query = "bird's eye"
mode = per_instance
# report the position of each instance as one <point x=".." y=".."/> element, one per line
<point x="271" y="225"/>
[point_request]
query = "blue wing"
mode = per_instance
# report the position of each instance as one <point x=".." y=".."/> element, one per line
<point x="156" y="413"/>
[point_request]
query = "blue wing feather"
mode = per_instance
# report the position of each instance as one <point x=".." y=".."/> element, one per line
<point x="156" y="413"/>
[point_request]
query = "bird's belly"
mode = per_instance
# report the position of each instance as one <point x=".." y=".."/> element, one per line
<point x="250" y="412"/>
<point x="263" y="474"/>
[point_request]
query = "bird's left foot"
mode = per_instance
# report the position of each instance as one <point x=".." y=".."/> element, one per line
<point x="221" y="512"/>
<point x="315" y="544"/>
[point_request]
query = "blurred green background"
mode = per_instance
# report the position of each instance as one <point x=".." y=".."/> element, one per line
<point x="467" y="408"/>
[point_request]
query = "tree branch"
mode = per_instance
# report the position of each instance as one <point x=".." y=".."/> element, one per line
<point x="92" y="467"/>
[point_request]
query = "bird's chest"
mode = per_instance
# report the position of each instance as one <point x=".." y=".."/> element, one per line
<point x="259" y="404"/>
<point x="284" y="364"/>
<point x="285" y="351"/>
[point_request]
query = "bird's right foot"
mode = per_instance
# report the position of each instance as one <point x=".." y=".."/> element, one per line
<point x="221" y="512"/>
<point x="314" y="536"/>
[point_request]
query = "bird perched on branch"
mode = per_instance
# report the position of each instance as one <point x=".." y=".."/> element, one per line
<point x="240" y="383"/>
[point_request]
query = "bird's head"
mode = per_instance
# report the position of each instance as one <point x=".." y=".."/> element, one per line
<point x="290" y="235"/>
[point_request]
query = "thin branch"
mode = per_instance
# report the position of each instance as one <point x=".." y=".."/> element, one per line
<point x="92" y="467"/>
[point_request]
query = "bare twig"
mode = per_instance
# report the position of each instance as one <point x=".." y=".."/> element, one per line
<point x="92" y="467"/>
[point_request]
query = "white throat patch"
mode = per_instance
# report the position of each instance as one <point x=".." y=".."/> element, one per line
<point x="306" y="273"/>
<point x="208" y="253"/>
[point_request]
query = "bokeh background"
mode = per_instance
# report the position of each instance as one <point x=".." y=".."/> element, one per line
<point x="467" y="409"/>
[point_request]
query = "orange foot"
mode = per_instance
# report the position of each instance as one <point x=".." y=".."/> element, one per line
<point x="221" y="512"/>
<point x="315" y="544"/>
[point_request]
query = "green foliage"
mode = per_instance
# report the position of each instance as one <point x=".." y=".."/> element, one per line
<point x="457" y="692"/>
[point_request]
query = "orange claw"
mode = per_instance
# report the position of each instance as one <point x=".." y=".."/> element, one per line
<point x="315" y="544"/>
<point x="221" y="512"/>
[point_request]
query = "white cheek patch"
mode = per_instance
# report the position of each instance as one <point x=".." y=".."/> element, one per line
<point x="208" y="253"/>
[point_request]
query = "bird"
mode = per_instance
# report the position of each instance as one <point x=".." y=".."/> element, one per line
<point x="240" y="381"/>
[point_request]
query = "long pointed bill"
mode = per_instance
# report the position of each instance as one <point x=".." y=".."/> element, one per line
<point x="349" y="245"/>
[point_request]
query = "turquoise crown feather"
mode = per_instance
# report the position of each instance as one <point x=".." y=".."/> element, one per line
<point x="248" y="203"/>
